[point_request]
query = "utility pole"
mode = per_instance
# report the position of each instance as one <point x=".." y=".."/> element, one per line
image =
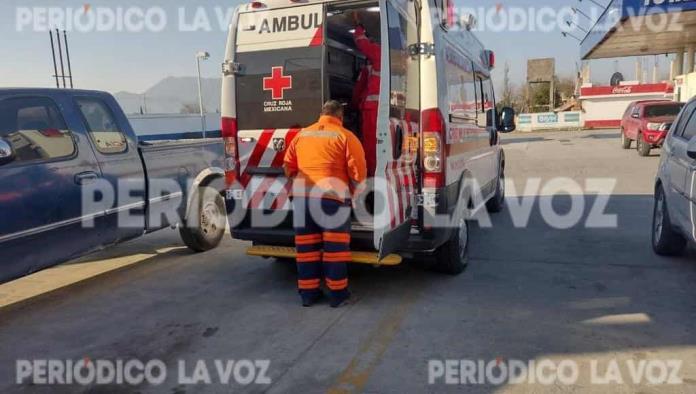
<point x="60" y="54"/>
<point x="67" y="55"/>
<point x="53" y="53"/>
<point x="202" y="55"/>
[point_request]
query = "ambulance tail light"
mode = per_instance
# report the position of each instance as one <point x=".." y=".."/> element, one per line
<point x="229" y="137"/>
<point x="433" y="148"/>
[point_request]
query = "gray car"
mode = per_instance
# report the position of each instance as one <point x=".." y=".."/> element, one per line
<point x="675" y="188"/>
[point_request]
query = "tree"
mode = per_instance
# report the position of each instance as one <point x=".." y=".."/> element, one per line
<point x="507" y="99"/>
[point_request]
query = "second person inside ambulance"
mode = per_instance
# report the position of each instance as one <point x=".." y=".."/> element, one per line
<point x="366" y="93"/>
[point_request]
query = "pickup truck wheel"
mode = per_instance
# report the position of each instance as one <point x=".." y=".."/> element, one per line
<point x="452" y="258"/>
<point x="205" y="226"/>
<point x="497" y="202"/>
<point x="642" y="146"/>
<point x="625" y="141"/>
<point x="665" y="241"/>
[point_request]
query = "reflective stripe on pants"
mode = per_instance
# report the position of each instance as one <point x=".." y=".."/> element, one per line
<point x="323" y="245"/>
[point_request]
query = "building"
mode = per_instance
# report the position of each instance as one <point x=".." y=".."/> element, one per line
<point x="604" y="106"/>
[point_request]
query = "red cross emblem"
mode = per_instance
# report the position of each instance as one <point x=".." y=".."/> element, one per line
<point x="277" y="83"/>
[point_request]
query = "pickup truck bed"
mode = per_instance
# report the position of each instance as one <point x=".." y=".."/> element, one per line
<point x="76" y="179"/>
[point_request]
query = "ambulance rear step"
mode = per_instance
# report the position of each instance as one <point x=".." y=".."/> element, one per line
<point x="370" y="258"/>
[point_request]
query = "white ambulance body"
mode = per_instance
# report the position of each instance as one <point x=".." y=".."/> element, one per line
<point x="437" y="124"/>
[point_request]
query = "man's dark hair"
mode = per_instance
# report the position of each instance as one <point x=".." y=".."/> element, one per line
<point x="332" y="108"/>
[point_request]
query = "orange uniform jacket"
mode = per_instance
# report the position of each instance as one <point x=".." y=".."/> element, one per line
<point x="328" y="156"/>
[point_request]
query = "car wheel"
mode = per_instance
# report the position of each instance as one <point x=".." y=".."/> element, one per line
<point x="642" y="146"/>
<point x="497" y="202"/>
<point x="205" y="224"/>
<point x="625" y="141"/>
<point x="452" y="258"/>
<point x="665" y="241"/>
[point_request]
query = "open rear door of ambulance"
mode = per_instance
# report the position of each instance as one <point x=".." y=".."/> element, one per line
<point x="279" y="89"/>
<point x="398" y="126"/>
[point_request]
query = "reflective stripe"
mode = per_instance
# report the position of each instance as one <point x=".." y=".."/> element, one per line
<point x="309" y="257"/>
<point x="324" y="133"/>
<point x="336" y="284"/>
<point x="373" y="72"/>
<point x="307" y="239"/>
<point x="337" y="237"/>
<point x="308" y="284"/>
<point x="337" y="257"/>
<point x="372" y="97"/>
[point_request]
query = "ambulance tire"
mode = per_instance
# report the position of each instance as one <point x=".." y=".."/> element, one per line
<point x="207" y="221"/>
<point x="497" y="202"/>
<point x="452" y="258"/>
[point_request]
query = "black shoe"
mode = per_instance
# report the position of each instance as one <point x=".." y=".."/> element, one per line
<point x="309" y="300"/>
<point x="345" y="299"/>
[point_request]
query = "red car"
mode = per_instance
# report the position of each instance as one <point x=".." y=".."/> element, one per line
<point x="648" y="122"/>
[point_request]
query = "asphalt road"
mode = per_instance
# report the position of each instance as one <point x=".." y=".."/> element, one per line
<point x="593" y="296"/>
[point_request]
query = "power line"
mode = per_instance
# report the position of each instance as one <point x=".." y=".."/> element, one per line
<point x="566" y="34"/>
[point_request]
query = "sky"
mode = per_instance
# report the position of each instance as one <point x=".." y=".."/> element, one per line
<point x="134" y="61"/>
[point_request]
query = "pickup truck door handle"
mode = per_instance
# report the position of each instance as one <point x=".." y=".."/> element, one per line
<point x="85" y="178"/>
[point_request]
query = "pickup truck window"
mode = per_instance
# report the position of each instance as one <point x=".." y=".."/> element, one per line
<point x="35" y="129"/>
<point x="102" y="126"/>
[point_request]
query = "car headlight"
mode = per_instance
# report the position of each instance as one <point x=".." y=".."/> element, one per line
<point x="654" y="126"/>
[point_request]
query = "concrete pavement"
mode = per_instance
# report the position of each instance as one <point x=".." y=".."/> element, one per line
<point x="594" y="296"/>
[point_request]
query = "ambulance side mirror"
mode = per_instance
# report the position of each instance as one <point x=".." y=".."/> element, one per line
<point x="506" y="120"/>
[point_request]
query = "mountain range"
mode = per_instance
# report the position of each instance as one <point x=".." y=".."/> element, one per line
<point x="173" y="95"/>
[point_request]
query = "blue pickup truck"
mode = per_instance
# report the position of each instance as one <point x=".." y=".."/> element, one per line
<point x="74" y="179"/>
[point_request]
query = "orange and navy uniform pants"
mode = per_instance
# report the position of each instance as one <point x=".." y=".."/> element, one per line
<point x="322" y="241"/>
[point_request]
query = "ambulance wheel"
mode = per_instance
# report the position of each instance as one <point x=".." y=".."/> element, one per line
<point x="452" y="258"/>
<point x="497" y="202"/>
<point x="625" y="141"/>
<point x="642" y="146"/>
<point x="205" y="226"/>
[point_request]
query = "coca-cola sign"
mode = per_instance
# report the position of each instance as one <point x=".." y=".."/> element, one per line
<point x="622" y="90"/>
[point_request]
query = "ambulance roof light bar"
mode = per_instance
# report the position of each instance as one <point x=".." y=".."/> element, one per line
<point x="257" y="4"/>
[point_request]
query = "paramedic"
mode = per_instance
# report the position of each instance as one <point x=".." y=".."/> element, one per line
<point x="366" y="93"/>
<point x="327" y="165"/>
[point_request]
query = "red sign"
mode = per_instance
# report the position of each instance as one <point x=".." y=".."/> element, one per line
<point x="622" y="90"/>
<point x="649" y="88"/>
<point x="277" y="83"/>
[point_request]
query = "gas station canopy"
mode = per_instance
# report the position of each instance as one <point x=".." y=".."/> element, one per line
<point x="641" y="27"/>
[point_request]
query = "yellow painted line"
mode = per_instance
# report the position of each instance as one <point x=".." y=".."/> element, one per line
<point x="613" y="320"/>
<point x="289" y="253"/>
<point x="355" y="376"/>
<point x="64" y="275"/>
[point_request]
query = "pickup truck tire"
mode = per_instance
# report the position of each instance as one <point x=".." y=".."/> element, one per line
<point x="665" y="241"/>
<point x="205" y="224"/>
<point x="497" y="202"/>
<point x="452" y="258"/>
<point x="643" y="147"/>
<point x="625" y="141"/>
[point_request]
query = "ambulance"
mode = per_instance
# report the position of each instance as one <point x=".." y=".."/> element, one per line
<point x="438" y="153"/>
